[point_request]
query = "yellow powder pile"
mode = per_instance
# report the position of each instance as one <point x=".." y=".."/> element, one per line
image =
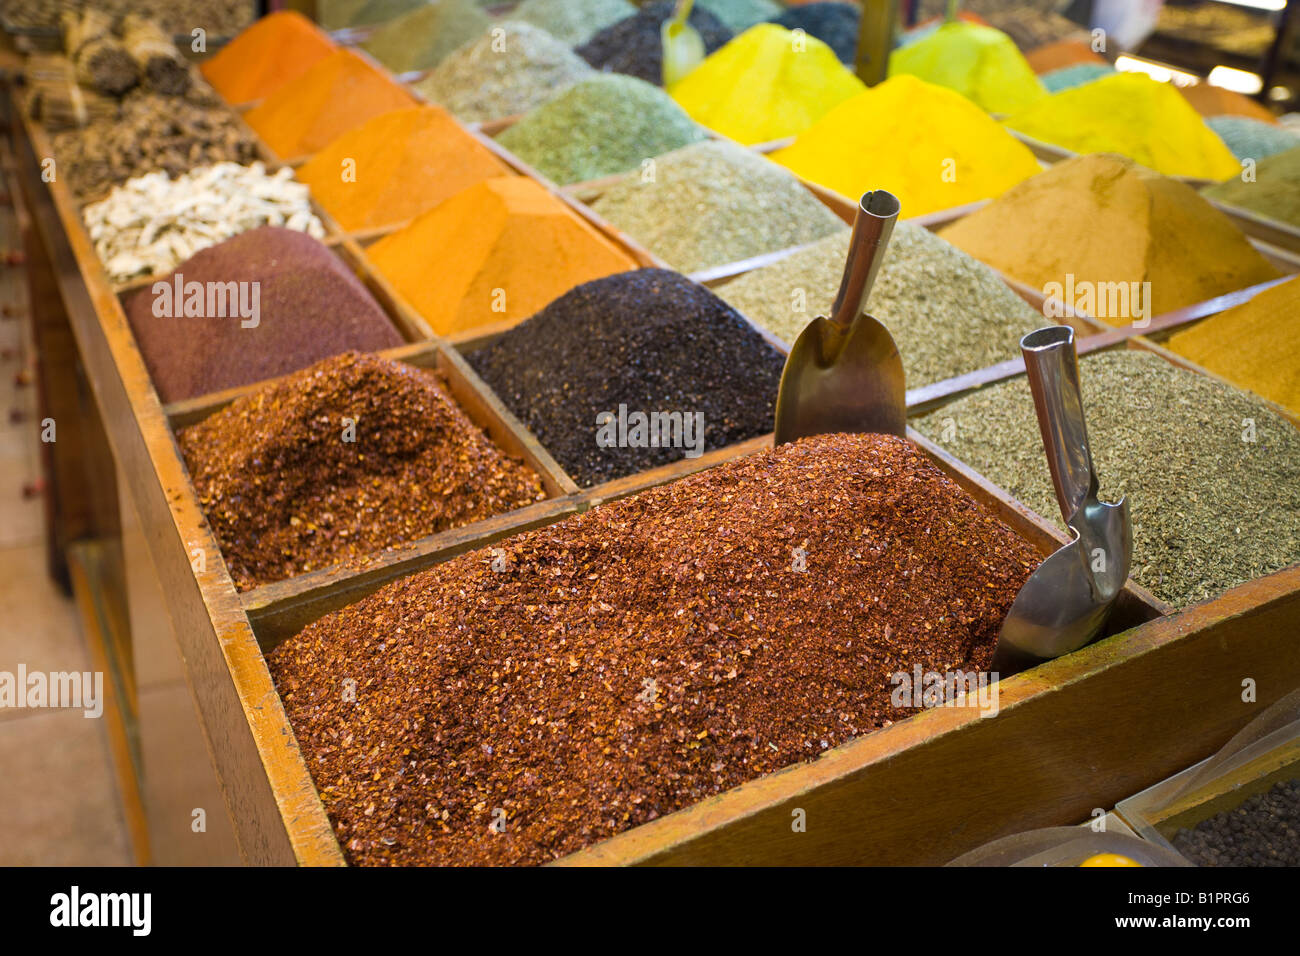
<point x="392" y="168"/>
<point x="979" y="62"/>
<point x="341" y="91"/>
<point x="1133" y="115"/>
<point x="495" y="252"/>
<point x="766" y="84"/>
<point x="931" y="147"/>
<point x="1252" y="345"/>
<point x="1093" y="221"/>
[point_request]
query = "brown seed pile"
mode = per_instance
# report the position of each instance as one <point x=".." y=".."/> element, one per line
<point x="288" y="487"/>
<point x="516" y="705"/>
<point x="151" y="132"/>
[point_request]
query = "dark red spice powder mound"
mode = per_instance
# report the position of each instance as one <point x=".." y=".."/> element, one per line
<point x="645" y="655"/>
<point x="286" y="493"/>
<point x="311" y="307"/>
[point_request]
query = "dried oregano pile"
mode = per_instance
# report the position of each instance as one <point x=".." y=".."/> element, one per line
<point x="1210" y="507"/>
<point x="714" y="203"/>
<point x="602" y="126"/>
<point x="289" y="487"/>
<point x="511" y="69"/>
<point x="517" y="705"/>
<point x="948" y="312"/>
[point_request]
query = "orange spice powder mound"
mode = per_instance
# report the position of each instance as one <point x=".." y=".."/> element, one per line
<point x="495" y="252"/>
<point x="391" y="168"/>
<point x="341" y="91"/>
<point x="1057" y="56"/>
<point x="268" y="54"/>
<point x="1211" y="100"/>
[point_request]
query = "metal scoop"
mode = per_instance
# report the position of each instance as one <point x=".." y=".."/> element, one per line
<point x="844" y="374"/>
<point x="1065" y="602"/>
<point x="683" y="45"/>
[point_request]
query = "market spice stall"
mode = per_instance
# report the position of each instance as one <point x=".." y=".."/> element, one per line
<point x="204" y="726"/>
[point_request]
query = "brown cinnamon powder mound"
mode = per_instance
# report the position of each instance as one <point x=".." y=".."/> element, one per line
<point x="288" y="487"/>
<point x="515" y="706"/>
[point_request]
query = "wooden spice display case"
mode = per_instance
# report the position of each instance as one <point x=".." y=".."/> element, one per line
<point x="1250" y="764"/>
<point x="1061" y="743"/>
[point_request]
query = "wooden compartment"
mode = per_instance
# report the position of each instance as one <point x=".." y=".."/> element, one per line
<point x="1063" y="740"/>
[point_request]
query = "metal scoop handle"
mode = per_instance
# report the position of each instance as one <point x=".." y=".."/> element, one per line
<point x="874" y="224"/>
<point x="1053" y="368"/>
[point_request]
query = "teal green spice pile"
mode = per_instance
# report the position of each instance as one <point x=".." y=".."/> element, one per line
<point x="602" y="126"/>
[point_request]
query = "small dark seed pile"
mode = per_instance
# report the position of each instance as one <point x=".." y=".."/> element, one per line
<point x="287" y="493"/>
<point x="634" y="45"/>
<point x="835" y="24"/>
<point x="649" y="339"/>
<point x="645" y="655"/>
<point x="311" y="307"/>
<point x="1264" y="830"/>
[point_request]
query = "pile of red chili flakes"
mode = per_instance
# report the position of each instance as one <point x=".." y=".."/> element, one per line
<point x="638" y="658"/>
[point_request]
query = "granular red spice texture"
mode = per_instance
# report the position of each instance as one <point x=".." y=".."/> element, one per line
<point x="286" y="492"/>
<point x="628" y="662"/>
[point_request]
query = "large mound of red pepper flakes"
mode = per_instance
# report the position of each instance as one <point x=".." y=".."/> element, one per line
<point x="514" y="706"/>
<point x="351" y="456"/>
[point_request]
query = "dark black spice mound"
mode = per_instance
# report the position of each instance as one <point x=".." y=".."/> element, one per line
<point x="634" y="44"/>
<point x="650" y="340"/>
<point x="835" y="24"/>
<point x="1264" y="830"/>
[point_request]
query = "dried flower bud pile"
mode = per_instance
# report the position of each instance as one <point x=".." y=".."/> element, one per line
<point x="645" y="655"/>
<point x="152" y="223"/>
<point x="289" y="489"/>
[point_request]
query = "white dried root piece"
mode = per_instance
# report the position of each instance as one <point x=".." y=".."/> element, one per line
<point x="152" y="224"/>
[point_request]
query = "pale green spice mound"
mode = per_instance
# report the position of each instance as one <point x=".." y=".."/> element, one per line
<point x="1274" y="192"/>
<point x="1250" y="138"/>
<point x="509" y="70"/>
<point x="740" y="15"/>
<point x="422" y="38"/>
<point x="1210" y="510"/>
<point x="572" y="21"/>
<point x="605" y="125"/>
<point x="714" y="203"/>
<point x="949" y="313"/>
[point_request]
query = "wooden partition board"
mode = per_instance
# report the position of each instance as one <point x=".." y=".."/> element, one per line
<point x="1073" y="713"/>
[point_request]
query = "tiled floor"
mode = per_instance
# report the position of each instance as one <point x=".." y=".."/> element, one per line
<point x="59" y="803"/>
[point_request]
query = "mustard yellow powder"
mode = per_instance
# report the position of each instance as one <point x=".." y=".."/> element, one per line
<point x="1253" y="345"/>
<point x="1097" y="224"/>
<point x="981" y="63"/>
<point x="931" y="147"/>
<point x="1135" y="116"/>
<point x="768" y="83"/>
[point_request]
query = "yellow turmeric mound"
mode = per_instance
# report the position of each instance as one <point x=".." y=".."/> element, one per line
<point x="766" y="84"/>
<point x="1133" y="115"/>
<point x="931" y="147"/>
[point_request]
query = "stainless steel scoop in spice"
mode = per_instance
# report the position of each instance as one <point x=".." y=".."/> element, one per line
<point x="1065" y="602"/>
<point x="844" y="374"/>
